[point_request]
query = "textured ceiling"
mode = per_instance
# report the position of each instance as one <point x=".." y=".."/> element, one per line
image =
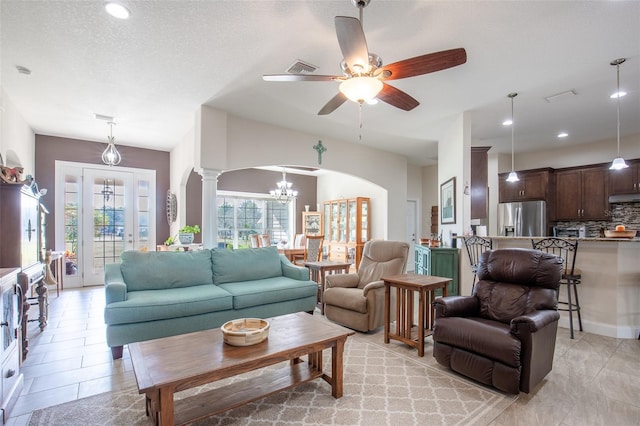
<point x="154" y="70"/>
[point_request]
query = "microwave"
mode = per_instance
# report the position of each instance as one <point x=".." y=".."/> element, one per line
<point x="578" y="232"/>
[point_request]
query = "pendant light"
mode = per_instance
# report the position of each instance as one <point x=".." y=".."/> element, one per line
<point x="111" y="156"/>
<point x="513" y="176"/>
<point x="618" y="162"/>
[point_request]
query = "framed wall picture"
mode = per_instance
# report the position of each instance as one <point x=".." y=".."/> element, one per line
<point x="312" y="223"/>
<point x="448" y="201"/>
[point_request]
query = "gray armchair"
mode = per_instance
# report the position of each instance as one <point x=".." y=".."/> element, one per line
<point x="356" y="300"/>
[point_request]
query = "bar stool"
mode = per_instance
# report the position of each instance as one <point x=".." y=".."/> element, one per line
<point x="571" y="277"/>
<point x="475" y="247"/>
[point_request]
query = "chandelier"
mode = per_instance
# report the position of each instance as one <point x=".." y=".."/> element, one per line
<point x="111" y="156"/>
<point x="283" y="193"/>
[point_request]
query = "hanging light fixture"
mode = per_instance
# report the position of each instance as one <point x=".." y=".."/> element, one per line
<point x="513" y="176"/>
<point x="283" y="193"/>
<point x="618" y="162"/>
<point x="111" y="156"/>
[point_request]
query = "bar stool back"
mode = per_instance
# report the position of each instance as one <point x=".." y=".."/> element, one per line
<point x="571" y="276"/>
<point x="475" y="247"/>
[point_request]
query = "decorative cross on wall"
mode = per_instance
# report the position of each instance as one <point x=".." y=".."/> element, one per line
<point x="320" y="148"/>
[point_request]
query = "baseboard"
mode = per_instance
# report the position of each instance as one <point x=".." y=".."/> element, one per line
<point x="619" y="332"/>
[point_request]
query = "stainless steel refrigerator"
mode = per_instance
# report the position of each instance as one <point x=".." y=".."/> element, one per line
<point x="522" y="219"/>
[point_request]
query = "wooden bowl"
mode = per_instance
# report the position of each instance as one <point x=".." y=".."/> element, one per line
<point x="245" y="331"/>
<point x="619" y="234"/>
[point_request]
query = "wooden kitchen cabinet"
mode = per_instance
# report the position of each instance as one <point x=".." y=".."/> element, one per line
<point x="479" y="190"/>
<point x="581" y="193"/>
<point x="534" y="185"/>
<point x="625" y="181"/>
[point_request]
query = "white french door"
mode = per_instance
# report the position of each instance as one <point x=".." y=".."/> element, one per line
<point x="104" y="211"/>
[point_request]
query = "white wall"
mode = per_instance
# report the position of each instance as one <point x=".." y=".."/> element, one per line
<point x="454" y="160"/>
<point x="251" y="144"/>
<point x="17" y="140"/>
<point x="182" y="160"/>
<point x="430" y="189"/>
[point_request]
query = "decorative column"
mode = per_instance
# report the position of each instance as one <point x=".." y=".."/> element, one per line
<point x="209" y="208"/>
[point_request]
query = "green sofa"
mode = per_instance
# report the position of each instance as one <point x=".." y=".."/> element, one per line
<point x="159" y="294"/>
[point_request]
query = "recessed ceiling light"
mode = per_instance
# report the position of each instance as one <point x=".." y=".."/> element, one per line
<point x="117" y="10"/>
<point x="373" y="101"/>
<point x="563" y="134"/>
<point x="618" y="94"/>
<point x="103" y="117"/>
<point x="507" y="122"/>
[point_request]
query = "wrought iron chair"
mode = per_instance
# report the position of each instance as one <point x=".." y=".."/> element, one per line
<point x="475" y="247"/>
<point x="571" y="276"/>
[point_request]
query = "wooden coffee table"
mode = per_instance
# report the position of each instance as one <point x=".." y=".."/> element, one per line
<point x="165" y="366"/>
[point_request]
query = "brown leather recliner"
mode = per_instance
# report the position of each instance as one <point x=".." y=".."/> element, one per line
<point x="504" y="334"/>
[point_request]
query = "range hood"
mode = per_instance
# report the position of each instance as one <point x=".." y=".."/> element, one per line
<point x="625" y="198"/>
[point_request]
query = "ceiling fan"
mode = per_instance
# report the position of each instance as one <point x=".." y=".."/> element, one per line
<point x="364" y="76"/>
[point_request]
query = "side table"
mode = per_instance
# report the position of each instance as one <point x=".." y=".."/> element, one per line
<point x="319" y="271"/>
<point x="406" y="285"/>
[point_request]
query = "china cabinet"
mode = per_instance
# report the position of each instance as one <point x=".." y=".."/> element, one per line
<point x="347" y="225"/>
<point x="312" y="223"/>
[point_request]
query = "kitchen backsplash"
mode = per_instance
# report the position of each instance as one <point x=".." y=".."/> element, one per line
<point x="627" y="214"/>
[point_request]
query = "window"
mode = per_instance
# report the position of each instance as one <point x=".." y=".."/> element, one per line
<point x="240" y="215"/>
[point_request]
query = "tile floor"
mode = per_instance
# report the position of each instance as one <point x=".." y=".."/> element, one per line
<point x="595" y="379"/>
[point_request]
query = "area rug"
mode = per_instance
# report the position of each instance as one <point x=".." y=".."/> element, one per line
<point x="381" y="387"/>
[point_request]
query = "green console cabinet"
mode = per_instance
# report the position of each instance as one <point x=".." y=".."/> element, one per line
<point x="440" y="262"/>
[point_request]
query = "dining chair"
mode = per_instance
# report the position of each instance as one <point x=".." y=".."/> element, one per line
<point x="265" y="240"/>
<point x="313" y="248"/>
<point x="299" y="242"/>
<point x="254" y="241"/>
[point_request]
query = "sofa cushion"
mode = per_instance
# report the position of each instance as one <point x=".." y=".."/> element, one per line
<point x="488" y="338"/>
<point x="245" y="265"/>
<point x="151" y="305"/>
<point x="268" y="290"/>
<point x="163" y="269"/>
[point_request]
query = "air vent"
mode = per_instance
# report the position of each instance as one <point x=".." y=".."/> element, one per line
<point x="560" y="96"/>
<point x="301" y="67"/>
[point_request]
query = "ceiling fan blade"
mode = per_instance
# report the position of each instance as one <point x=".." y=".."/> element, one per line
<point x="301" y="77"/>
<point x="352" y="43"/>
<point x="333" y="104"/>
<point x="397" y="98"/>
<point x="424" y="64"/>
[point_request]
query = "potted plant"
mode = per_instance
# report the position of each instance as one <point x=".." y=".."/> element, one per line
<point x="186" y="233"/>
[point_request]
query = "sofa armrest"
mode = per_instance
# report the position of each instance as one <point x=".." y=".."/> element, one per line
<point x="115" y="288"/>
<point x="292" y="271"/>
<point x="341" y="280"/>
<point x="373" y="285"/>
<point x="456" y="306"/>
<point x="534" y="321"/>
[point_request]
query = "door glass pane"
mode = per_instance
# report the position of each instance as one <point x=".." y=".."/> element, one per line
<point x="142" y="242"/>
<point x="71" y="201"/>
<point x="108" y="222"/>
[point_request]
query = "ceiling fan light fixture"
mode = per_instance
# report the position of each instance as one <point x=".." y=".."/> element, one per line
<point x="361" y="89"/>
